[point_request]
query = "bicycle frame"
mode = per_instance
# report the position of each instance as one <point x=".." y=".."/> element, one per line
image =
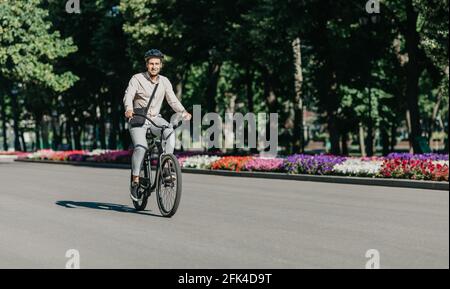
<point x="153" y="143"/>
<point x="148" y="166"/>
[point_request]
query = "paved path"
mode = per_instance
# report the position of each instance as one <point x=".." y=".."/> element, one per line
<point x="222" y="222"/>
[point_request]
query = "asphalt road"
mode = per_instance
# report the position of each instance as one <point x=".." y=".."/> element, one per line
<point x="222" y="222"/>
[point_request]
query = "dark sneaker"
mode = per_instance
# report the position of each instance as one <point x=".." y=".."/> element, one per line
<point x="134" y="191"/>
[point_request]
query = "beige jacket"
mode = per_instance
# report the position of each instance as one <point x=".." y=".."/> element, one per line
<point x="140" y="89"/>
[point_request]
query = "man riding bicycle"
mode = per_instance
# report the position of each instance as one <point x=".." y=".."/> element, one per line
<point x="142" y="88"/>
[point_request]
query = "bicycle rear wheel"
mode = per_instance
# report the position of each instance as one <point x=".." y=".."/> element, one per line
<point x="168" y="193"/>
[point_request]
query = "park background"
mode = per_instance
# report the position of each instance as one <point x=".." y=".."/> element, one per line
<point x="343" y="81"/>
<point x="346" y="84"/>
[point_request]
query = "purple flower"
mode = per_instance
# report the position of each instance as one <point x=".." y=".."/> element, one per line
<point x="77" y="157"/>
<point x="185" y="154"/>
<point x="114" y="156"/>
<point x="311" y="164"/>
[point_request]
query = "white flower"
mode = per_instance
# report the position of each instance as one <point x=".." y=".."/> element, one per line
<point x="200" y="162"/>
<point x="358" y="167"/>
<point x="97" y="152"/>
<point x="40" y="154"/>
<point x="442" y="162"/>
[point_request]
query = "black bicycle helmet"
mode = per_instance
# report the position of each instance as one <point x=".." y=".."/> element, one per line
<point x="153" y="53"/>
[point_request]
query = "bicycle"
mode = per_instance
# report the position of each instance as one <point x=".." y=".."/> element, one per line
<point x="166" y="164"/>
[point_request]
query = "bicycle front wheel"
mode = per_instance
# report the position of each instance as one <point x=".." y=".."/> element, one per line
<point x="144" y="188"/>
<point x="169" y="185"/>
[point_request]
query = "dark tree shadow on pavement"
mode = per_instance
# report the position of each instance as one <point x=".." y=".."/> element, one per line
<point x="104" y="206"/>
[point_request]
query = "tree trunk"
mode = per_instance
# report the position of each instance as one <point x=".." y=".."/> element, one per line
<point x="211" y="90"/>
<point x="37" y="130"/>
<point x="102" y="130"/>
<point x="124" y="135"/>
<point x="44" y="129"/>
<point x="114" y="120"/>
<point x="249" y="89"/>
<point x="334" y="133"/>
<point x="413" y="73"/>
<point x="385" y="141"/>
<point x="250" y="101"/>
<point x="61" y="133"/>
<point x="22" y="138"/>
<point x="369" y="138"/>
<point x="15" y="112"/>
<point x="126" y="139"/>
<point x="362" y="146"/>
<point x="179" y="85"/>
<point x="229" y="127"/>
<point x="432" y="126"/>
<point x="326" y="72"/>
<point x="69" y="132"/>
<point x="393" y="141"/>
<point x="57" y="134"/>
<point x="269" y="94"/>
<point x="76" y="133"/>
<point x="270" y="97"/>
<point x="298" y="143"/>
<point x="3" y="112"/>
<point x="344" y="141"/>
<point x="94" y="134"/>
<point x="332" y="108"/>
<point x="408" y="125"/>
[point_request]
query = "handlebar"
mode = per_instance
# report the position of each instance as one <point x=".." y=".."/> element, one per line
<point x="158" y="126"/>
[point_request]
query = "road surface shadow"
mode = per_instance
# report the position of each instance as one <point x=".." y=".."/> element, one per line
<point x="104" y="206"/>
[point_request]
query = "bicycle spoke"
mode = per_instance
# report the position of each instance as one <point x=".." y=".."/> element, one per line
<point x="167" y="200"/>
<point x="168" y="195"/>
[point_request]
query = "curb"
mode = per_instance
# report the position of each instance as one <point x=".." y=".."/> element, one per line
<point x="7" y="158"/>
<point x="400" y="183"/>
<point x="430" y="185"/>
<point x="79" y="164"/>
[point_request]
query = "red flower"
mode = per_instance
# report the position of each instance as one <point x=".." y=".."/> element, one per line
<point x="230" y="163"/>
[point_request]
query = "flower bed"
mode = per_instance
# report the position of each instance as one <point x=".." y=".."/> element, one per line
<point x="73" y="155"/>
<point x="55" y="155"/>
<point x="404" y="166"/>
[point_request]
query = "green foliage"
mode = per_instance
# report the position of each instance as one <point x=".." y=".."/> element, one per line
<point x="29" y="47"/>
<point x="78" y="65"/>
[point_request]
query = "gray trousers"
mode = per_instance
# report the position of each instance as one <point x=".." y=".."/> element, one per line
<point x="140" y="142"/>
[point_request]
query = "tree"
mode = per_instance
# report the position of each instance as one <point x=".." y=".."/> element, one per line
<point x="424" y="30"/>
<point x="104" y="70"/>
<point x="28" y="51"/>
<point x="433" y="22"/>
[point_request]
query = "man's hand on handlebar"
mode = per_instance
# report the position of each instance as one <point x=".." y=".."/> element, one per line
<point x="129" y="114"/>
<point x="186" y="115"/>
